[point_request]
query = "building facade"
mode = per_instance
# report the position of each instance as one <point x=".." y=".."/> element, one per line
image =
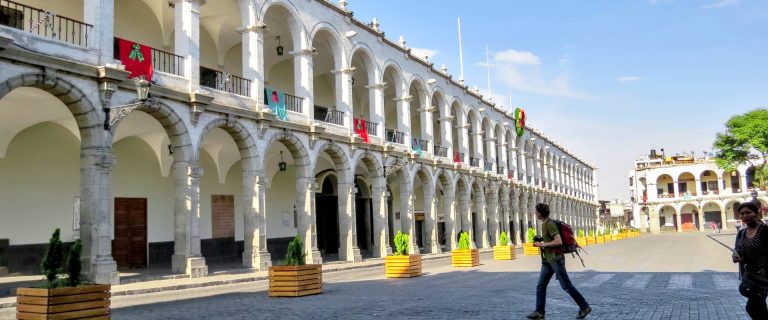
<point x="684" y="193"/>
<point x="205" y="171"/>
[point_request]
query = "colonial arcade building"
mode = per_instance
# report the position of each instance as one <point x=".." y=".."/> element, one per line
<point x="265" y="119"/>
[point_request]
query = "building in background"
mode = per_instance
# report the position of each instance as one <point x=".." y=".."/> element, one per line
<point x="684" y="193"/>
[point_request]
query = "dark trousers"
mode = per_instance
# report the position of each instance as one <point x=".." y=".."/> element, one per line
<point x="756" y="308"/>
<point x="547" y="270"/>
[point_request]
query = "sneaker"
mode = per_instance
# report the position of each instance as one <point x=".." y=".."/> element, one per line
<point x="535" y="315"/>
<point x="584" y="312"/>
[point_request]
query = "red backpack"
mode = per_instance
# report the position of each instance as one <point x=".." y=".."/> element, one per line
<point x="569" y="241"/>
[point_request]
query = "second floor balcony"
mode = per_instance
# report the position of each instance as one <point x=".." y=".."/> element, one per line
<point x="458" y="157"/>
<point x="441" y="151"/>
<point x="487" y="166"/>
<point x="395" y="136"/>
<point x="329" y="115"/>
<point x="226" y="82"/>
<point x="161" y="60"/>
<point x="420" y="145"/>
<point x="44" y="23"/>
<point x="474" y="162"/>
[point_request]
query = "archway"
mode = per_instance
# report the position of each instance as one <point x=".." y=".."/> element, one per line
<point x="393" y="93"/>
<point x="369" y="184"/>
<point x="732" y="180"/>
<point x="668" y="218"/>
<point x="708" y="180"/>
<point x="418" y="109"/>
<point x="665" y="186"/>
<point x="712" y="214"/>
<point x="686" y="185"/>
<point x="328" y="87"/>
<point x="446" y="216"/>
<point x="689" y="217"/>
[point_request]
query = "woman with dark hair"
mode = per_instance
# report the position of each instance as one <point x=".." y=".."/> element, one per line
<point x="751" y="252"/>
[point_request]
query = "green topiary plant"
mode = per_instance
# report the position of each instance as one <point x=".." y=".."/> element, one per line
<point x="401" y="244"/>
<point x="503" y="239"/>
<point x="531" y="233"/>
<point x="52" y="259"/>
<point x="600" y="233"/>
<point x="591" y="233"/>
<point x="74" y="265"/>
<point x="295" y="255"/>
<point x="464" y="241"/>
<point x="580" y="234"/>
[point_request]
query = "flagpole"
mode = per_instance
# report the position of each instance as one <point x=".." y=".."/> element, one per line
<point x="488" y="68"/>
<point x="461" y="55"/>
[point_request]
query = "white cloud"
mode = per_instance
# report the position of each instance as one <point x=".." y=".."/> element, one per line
<point x="516" y="57"/>
<point x="628" y="78"/>
<point x="721" y="4"/>
<point x="421" y="52"/>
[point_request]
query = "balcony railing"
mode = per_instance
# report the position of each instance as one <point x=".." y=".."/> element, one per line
<point x="395" y="136"/>
<point x="371" y="127"/>
<point x="328" y="115"/>
<point x="488" y="166"/>
<point x="474" y="162"/>
<point x="440" y="151"/>
<point x="419" y="144"/>
<point x="161" y="61"/>
<point x="458" y="157"/>
<point x="500" y="169"/>
<point x="294" y="103"/>
<point x="223" y="81"/>
<point x="44" y="23"/>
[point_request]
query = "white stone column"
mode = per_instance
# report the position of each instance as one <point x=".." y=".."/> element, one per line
<point x="404" y="115"/>
<point x="678" y="218"/>
<point x="303" y="75"/>
<point x="492" y="215"/>
<point x="449" y="203"/>
<point x="523" y="209"/>
<point x="431" y="242"/>
<point x="187" y="258"/>
<point x="407" y="217"/>
<point x="516" y="217"/>
<point x="348" y="250"/>
<point x="344" y="94"/>
<point x="101" y="15"/>
<point x="376" y="94"/>
<point x="654" y="220"/>
<point x="187" y="39"/>
<point x="465" y="211"/>
<point x="253" y="58"/>
<point x="381" y="246"/>
<point x="676" y="188"/>
<point x="255" y="253"/>
<point x="723" y="217"/>
<point x="95" y="215"/>
<point x="307" y="220"/>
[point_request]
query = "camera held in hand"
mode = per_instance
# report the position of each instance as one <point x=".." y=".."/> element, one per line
<point x="537" y="238"/>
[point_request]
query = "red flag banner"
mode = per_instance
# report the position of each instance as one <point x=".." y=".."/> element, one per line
<point x="456" y="157"/>
<point x="360" y="128"/>
<point x="136" y="58"/>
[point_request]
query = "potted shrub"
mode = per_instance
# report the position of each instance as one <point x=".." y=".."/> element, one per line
<point x="63" y="298"/>
<point x="504" y="251"/>
<point x="615" y="235"/>
<point x="600" y="237"/>
<point x="591" y="237"/>
<point x="464" y="256"/>
<point x="294" y="278"/>
<point x="401" y="264"/>
<point x="528" y="248"/>
<point x="581" y="239"/>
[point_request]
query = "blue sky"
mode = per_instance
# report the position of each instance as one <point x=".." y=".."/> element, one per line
<point x="608" y="79"/>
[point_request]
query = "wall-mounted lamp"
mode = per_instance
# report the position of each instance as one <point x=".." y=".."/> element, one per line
<point x="350" y="34"/>
<point x="481" y="109"/>
<point x="282" y="165"/>
<point x="431" y="81"/>
<point x="353" y="80"/>
<point x="279" y="46"/>
<point x="170" y="149"/>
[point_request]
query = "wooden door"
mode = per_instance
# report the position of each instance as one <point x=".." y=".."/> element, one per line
<point x="130" y="245"/>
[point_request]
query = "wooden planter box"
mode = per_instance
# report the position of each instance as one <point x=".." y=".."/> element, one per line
<point x="607" y="238"/>
<point x="614" y="237"/>
<point x="465" y="258"/>
<point x="591" y="240"/>
<point x="530" y="250"/>
<point x="504" y="253"/>
<point x="295" y="281"/>
<point x="600" y="239"/>
<point x="403" y="266"/>
<point x="581" y="241"/>
<point x="90" y="301"/>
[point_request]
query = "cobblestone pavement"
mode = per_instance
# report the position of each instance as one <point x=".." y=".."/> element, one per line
<point x="669" y="276"/>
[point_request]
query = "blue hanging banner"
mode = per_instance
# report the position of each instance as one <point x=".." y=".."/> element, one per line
<point x="276" y="101"/>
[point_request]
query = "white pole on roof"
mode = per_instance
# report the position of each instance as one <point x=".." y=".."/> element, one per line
<point x="461" y="55"/>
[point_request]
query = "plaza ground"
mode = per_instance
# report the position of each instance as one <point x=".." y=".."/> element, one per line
<point x="667" y="276"/>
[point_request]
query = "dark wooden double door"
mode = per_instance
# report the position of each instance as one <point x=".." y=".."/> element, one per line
<point x="129" y="248"/>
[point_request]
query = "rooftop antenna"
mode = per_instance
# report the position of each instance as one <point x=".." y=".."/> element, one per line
<point x="461" y="55"/>
<point x="510" y="93"/>
<point x="488" y="67"/>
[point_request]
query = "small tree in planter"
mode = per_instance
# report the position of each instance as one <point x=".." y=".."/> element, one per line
<point x="63" y="298"/>
<point x="295" y="279"/>
<point x="580" y="238"/>
<point x="504" y="251"/>
<point x="600" y="236"/>
<point x="465" y="256"/>
<point x="401" y="264"/>
<point x="528" y="248"/>
<point x="591" y="237"/>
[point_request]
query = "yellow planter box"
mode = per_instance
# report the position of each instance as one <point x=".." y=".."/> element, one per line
<point x="614" y="237"/>
<point x="465" y="258"/>
<point x="64" y="303"/>
<point x="403" y="266"/>
<point x="581" y="241"/>
<point x="504" y="253"/>
<point x="600" y="239"/>
<point x="591" y="240"/>
<point x="295" y="281"/>
<point x="530" y="250"/>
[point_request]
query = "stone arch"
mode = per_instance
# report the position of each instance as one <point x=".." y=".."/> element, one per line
<point x="243" y="139"/>
<point x="369" y="59"/>
<point x="370" y="162"/>
<point x="298" y="31"/>
<point x="398" y="76"/>
<point x="295" y="147"/>
<point x="178" y="134"/>
<point x="339" y="157"/>
<point x="337" y="48"/>
<point x="89" y="120"/>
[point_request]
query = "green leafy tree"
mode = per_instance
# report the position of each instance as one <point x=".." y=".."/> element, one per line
<point x="53" y="258"/>
<point x="745" y="141"/>
<point x="503" y="239"/>
<point x="580" y="233"/>
<point x="530" y="234"/>
<point x="464" y="241"/>
<point x="295" y="255"/>
<point x="74" y="265"/>
<point x="401" y="244"/>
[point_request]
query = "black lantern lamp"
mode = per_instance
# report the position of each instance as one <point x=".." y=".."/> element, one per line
<point x="282" y="165"/>
<point x="142" y="89"/>
<point x="279" y="47"/>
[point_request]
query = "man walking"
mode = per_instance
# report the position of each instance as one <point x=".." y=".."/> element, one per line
<point x="553" y="262"/>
